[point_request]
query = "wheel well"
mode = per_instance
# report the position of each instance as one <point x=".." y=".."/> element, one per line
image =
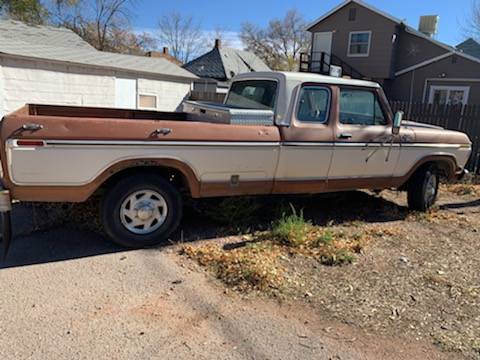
<point x="174" y="176"/>
<point x="445" y="168"/>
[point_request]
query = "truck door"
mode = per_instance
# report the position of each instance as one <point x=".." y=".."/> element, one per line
<point x="363" y="137"/>
<point x="307" y="144"/>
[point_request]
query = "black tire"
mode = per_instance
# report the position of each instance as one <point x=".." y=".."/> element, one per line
<point x="115" y="198"/>
<point x="422" y="194"/>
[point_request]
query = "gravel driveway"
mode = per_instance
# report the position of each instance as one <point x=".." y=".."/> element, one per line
<point x="70" y="294"/>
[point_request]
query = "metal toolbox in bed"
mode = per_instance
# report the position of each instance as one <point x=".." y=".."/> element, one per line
<point x="220" y="113"/>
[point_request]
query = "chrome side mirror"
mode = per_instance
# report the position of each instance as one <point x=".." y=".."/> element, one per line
<point x="397" y="122"/>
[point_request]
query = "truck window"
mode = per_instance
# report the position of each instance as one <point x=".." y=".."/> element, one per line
<point x="360" y="107"/>
<point x="313" y="104"/>
<point x="252" y="94"/>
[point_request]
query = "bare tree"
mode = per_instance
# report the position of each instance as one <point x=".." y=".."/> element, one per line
<point x="182" y="35"/>
<point x="96" y="21"/>
<point x="472" y="28"/>
<point x="220" y="33"/>
<point x="29" y="11"/>
<point x="281" y="43"/>
<point x="129" y="42"/>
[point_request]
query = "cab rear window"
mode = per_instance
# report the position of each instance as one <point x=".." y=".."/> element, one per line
<point x="252" y="94"/>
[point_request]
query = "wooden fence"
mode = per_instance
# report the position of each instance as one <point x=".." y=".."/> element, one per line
<point x="464" y="118"/>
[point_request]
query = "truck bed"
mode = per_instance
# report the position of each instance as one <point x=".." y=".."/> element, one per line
<point x="97" y="112"/>
<point x="91" y="123"/>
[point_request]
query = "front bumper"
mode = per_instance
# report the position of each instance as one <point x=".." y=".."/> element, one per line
<point x="461" y="174"/>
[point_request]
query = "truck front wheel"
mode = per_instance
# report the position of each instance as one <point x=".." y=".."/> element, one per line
<point x="423" y="188"/>
<point x="141" y="210"/>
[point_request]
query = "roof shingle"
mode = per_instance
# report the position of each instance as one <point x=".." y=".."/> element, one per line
<point x="63" y="45"/>
<point x="224" y="63"/>
<point x="470" y="47"/>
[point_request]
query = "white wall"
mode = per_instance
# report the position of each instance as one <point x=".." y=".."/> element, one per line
<point x="169" y="94"/>
<point x="28" y="81"/>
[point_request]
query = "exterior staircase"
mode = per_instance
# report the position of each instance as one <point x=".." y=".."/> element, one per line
<point x="320" y="63"/>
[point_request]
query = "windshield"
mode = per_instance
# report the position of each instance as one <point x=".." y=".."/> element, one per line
<point x="252" y="94"/>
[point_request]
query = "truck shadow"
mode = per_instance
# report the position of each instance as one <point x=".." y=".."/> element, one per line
<point x="61" y="242"/>
<point x="338" y="208"/>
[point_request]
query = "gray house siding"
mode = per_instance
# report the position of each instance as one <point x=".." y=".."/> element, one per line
<point x="396" y="47"/>
<point x="379" y="63"/>
<point x="414" y="49"/>
<point x="451" y="71"/>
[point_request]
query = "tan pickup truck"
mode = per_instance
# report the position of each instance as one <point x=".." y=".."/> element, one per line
<point x="276" y="133"/>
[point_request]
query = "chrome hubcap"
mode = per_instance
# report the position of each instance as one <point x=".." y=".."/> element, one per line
<point x="431" y="189"/>
<point x="143" y="212"/>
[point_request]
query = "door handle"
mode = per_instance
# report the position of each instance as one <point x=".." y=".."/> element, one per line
<point x="345" y="136"/>
<point x="162" y="131"/>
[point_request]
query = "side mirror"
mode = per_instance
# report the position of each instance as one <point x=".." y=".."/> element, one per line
<point x="397" y="122"/>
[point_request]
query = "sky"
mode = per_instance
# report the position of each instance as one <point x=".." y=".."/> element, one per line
<point x="229" y="15"/>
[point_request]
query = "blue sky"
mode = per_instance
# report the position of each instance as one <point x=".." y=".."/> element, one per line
<point x="229" y="15"/>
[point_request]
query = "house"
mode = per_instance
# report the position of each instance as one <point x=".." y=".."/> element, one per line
<point x="469" y="47"/>
<point x="49" y="65"/>
<point x="411" y="64"/>
<point x="218" y="66"/>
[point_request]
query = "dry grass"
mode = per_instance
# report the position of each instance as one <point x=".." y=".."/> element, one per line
<point x="436" y="216"/>
<point x="462" y="189"/>
<point x="254" y="266"/>
<point x="257" y="264"/>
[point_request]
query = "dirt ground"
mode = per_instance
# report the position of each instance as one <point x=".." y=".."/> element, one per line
<point x="412" y="293"/>
<point x="420" y="278"/>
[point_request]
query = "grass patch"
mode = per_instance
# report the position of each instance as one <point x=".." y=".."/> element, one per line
<point x="292" y="230"/>
<point x="257" y="264"/>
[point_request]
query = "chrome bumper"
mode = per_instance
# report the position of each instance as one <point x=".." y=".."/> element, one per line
<point x="462" y="174"/>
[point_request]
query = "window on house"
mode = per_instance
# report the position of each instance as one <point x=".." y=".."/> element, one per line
<point x="147" y="101"/>
<point x="359" y="43"/>
<point x="313" y="105"/>
<point x="360" y="107"/>
<point x="352" y="14"/>
<point x="449" y="95"/>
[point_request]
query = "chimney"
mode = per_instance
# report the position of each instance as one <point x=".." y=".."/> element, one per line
<point x="218" y="43"/>
<point x="165" y="50"/>
<point x="153" y="54"/>
<point x="428" y="25"/>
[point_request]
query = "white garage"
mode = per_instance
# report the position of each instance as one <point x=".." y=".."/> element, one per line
<point x="47" y="65"/>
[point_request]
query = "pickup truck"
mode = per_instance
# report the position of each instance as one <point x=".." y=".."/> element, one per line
<point x="315" y="134"/>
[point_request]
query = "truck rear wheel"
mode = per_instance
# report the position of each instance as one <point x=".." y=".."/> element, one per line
<point x="423" y="188"/>
<point x="141" y="210"/>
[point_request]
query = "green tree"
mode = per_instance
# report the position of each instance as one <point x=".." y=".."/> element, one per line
<point x="29" y="11"/>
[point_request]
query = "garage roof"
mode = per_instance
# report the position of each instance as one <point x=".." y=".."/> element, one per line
<point x="63" y="45"/>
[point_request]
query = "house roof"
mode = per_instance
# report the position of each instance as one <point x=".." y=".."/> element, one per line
<point x="470" y="47"/>
<point x="450" y="49"/>
<point x="63" y="45"/>
<point x="408" y="28"/>
<point x="224" y="63"/>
